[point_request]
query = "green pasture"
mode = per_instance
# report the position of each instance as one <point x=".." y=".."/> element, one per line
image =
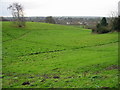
<point x="44" y="55"/>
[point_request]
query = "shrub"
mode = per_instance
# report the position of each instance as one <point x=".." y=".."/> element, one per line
<point x="50" y="19"/>
<point x="101" y="27"/>
<point x="101" y="30"/>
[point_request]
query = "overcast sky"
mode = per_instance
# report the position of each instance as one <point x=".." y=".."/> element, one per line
<point x="62" y="7"/>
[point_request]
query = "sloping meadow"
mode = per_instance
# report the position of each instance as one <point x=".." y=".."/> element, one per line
<point x="56" y="56"/>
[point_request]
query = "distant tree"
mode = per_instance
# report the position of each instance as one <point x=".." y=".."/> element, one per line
<point x="101" y="27"/>
<point x="3" y="19"/>
<point x="116" y="24"/>
<point x="103" y="22"/>
<point x="50" y="19"/>
<point x="98" y="25"/>
<point x="115" y="21"/>
<point x="17" y="13"/>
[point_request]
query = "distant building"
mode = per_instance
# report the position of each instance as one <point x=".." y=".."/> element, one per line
<point x="68" y="23"/>
<point x="80" y="23"/>
<point x="119" y="8"/>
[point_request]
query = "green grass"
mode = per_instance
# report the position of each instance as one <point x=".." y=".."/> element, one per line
<point x="58" y="56"/>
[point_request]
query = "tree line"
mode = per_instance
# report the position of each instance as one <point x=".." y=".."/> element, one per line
<point x="102" y="27"/>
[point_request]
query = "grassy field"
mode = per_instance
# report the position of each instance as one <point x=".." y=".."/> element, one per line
<point x="56" y="56"/>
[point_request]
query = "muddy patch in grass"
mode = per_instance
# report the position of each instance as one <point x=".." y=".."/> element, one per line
<point x="112" y="67"/>
<point x="26" y="83"/>
<point x="56" y="77"/>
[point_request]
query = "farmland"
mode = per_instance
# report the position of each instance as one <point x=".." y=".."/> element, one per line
<point x="44" y="55"/>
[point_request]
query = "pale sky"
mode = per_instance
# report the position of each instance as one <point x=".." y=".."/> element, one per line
<point x="63" y="7"/>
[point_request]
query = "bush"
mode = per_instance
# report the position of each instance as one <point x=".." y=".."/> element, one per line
<point x="101" y="27"/>
<point x="94" y="29"/>
<point x="101" y="30"/>
<point x="50" y="19"/>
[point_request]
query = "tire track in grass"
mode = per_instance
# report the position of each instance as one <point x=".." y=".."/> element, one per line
<point x="67" y="49"/>
<point x="8" y="34"/>
<point x="43" y="52"/>
<point x="70" y="46"/>
<point x="14" y="38"/>
<point x="96" y="45"/>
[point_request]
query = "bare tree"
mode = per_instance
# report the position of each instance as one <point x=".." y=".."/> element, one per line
<point x="111" y="19"/>
<point x="114" y="21"/>
<point x="113" y="15"/>
<point x="17" y="13"/>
